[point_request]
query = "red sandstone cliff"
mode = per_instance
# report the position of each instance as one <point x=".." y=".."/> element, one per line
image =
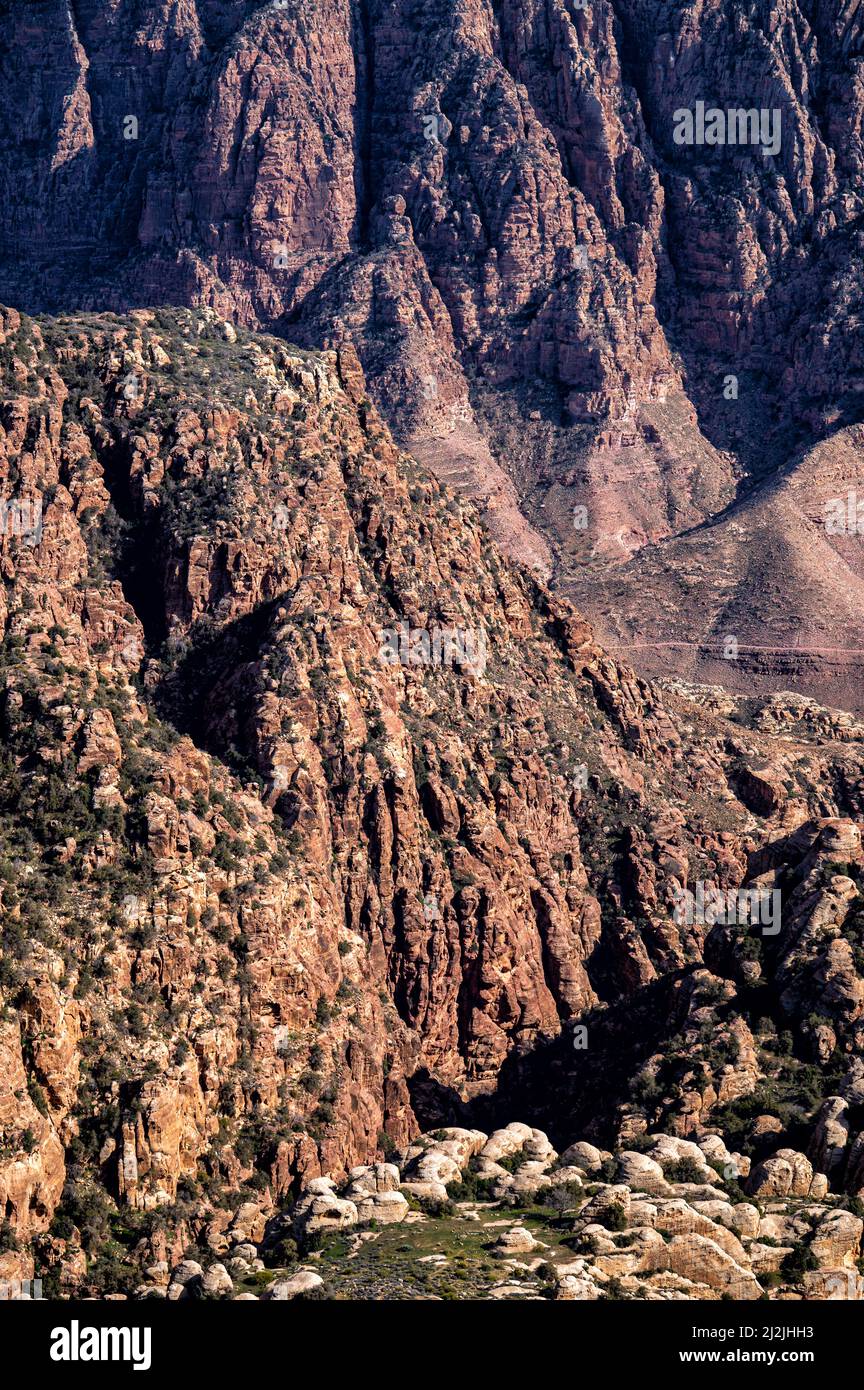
<point x="269" y="900"/>
<point x="488" y="202"/>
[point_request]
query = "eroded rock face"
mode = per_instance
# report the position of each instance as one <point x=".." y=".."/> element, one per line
<point x="32" y="1169"/>
<point x="778" y="573"/>
<point x="787" y="1174"/>
<point x="287" y="877"/>
<point x="490" y="203"/>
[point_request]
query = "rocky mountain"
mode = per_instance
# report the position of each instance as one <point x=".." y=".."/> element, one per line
<point x="325" y="824"/>
<point x="768" y="593"/>
<point x="618" y="343"/>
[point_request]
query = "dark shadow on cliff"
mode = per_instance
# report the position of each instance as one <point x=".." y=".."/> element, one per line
<point x="568" y="1091"/>
<point x="193" y="687"/>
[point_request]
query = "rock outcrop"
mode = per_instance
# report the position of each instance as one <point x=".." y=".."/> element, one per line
<point x="580" y="1240"/>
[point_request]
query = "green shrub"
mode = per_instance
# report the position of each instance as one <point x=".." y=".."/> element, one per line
<point x="684" y="1170"/>
<point x="614" y="1217"/>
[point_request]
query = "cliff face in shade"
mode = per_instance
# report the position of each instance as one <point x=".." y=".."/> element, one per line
<point x="271" y="899"/>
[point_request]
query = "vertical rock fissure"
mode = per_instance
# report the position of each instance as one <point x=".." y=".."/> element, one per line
<point x="363" y="45"/>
